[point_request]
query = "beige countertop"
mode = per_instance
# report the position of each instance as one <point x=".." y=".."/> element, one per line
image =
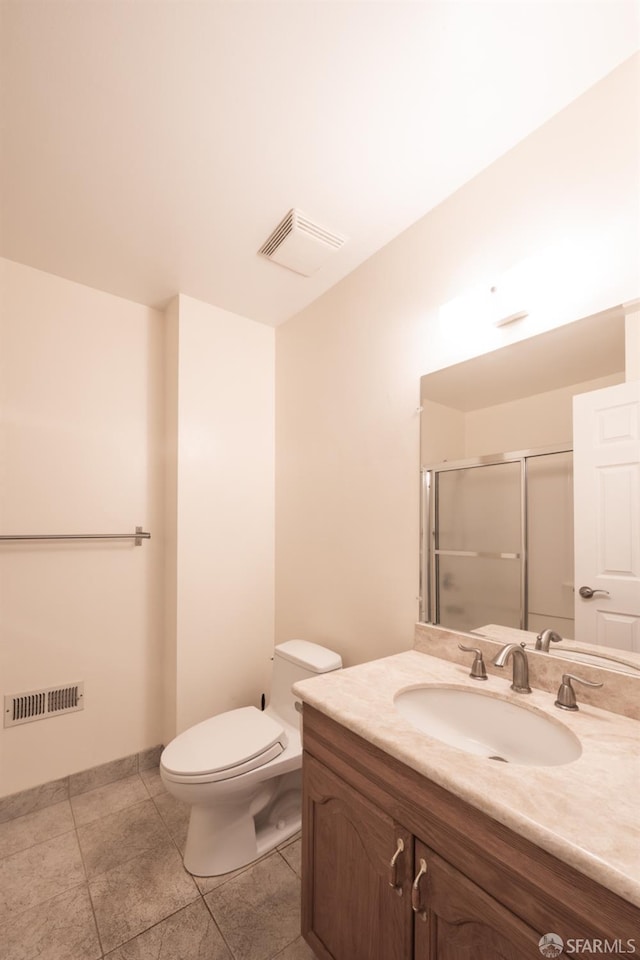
<point x="586" y="813"/>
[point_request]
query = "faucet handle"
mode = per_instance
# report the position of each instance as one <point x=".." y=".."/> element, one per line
<point x="478" y="669"/>
<point x="566" y="694"/>
<point x="545" y="637"/>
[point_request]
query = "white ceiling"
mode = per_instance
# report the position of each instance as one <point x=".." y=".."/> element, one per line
<point x="586" y="349"/>
<point x="150" y="146"/>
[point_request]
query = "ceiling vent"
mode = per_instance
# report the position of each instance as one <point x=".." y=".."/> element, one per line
<point x="299" y="244"/>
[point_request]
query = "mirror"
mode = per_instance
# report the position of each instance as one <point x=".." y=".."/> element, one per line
<point x="501" y="412"/>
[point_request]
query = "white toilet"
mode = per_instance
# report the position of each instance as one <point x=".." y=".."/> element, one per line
<point x="240" y="771"/>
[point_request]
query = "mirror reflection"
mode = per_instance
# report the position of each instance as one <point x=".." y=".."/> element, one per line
<point x="497" y="438"/>
<point x="492" y="560"/>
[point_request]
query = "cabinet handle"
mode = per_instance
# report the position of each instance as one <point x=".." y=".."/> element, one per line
<point x="393" y="879"/>
<point x="415" y="891"/>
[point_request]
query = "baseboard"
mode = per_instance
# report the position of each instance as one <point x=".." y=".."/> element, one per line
<point x="37" y="798"/>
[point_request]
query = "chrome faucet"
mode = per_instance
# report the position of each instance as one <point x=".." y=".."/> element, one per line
<point x="520" y="665"/>
<point x="545" y="638"/>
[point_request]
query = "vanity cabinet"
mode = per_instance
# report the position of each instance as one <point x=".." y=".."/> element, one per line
<point x="396" y="868"/>
<point x="356" y="913"/>
<point x="456" y="920"/>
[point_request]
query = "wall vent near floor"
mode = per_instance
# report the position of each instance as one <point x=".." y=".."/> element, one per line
<point x="40" y="704"/>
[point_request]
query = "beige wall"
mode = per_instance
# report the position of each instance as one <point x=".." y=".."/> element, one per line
<point x="442" y="433"/>
<point x="223" y="508"/>
<point x="81" y="383"/>
<point x="348" y="367"/>
<point x="116" y="415"/>
<point x="170" y="503"/>
<point x="537" y="421"/>
<point x="632" y="342"/>
<point x="540" y="420"/>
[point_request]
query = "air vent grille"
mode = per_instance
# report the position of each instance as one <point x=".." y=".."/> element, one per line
<point x="307" y="226"/>
<point x="39" y="704"/>
<point x="282" y="231"/>
<point x="300" y="244"/>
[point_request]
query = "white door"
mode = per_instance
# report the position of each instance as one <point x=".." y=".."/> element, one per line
<point x="606" y="440"/>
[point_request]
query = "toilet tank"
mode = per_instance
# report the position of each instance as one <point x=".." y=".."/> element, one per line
<point x="292" y="661"/>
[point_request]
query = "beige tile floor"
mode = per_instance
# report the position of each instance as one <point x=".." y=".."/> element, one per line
<point x="100" y="874"/>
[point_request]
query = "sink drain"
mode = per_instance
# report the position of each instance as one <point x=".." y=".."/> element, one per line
<point x="501" y="759"/>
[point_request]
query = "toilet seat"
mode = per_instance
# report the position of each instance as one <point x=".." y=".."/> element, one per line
<point x="224" y="746"/>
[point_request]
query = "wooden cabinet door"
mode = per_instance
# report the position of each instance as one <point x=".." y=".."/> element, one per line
<point x="349" y="909"/>
<point x="462" y="922"/>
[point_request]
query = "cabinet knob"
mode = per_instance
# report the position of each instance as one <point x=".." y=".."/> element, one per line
<point x="415" y="891"/>
<point x="393" y="868"/>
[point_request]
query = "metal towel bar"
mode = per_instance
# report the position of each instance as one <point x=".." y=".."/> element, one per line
<point x="138" y="536"/>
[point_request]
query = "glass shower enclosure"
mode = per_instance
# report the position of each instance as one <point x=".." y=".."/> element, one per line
<point x="497" y="542"/>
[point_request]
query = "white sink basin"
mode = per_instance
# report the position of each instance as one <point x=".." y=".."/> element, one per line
<point x="488" y="726"/>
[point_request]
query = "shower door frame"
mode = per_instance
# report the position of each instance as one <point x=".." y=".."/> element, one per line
<point x="429" y="607"/>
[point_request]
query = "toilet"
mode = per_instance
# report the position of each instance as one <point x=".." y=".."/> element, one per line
<point x="241" y="771"/>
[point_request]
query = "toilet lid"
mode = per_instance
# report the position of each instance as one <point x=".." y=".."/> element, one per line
<point x="223" y="742"/>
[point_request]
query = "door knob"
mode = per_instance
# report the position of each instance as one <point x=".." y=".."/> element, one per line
<point x="586" y="592"/>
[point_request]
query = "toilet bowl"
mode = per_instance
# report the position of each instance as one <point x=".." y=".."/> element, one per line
<point x="240" y="771"/>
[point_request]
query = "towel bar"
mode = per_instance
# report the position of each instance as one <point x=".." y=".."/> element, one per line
<point x="138" y="536"/>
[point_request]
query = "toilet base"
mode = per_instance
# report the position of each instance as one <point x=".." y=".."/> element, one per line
<point x="271" y="837"/>
<point x="224" y="838"/>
